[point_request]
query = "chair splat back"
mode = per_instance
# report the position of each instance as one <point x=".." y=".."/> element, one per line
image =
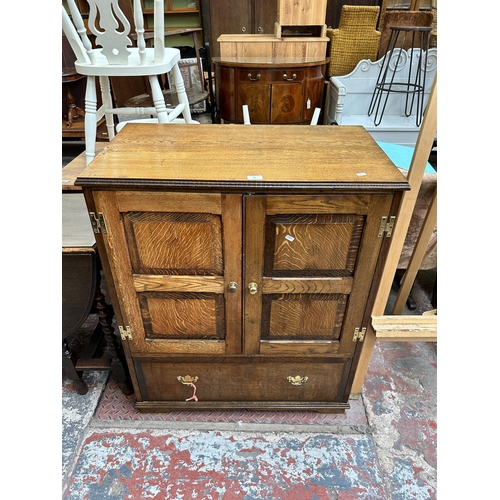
<point x="113" y="54"/>
<point x="111" y="31"/>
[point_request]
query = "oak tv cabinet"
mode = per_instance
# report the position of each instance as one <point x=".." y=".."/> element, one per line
<point x="242" y="261"/>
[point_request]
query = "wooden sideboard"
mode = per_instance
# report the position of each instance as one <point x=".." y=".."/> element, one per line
<point x="242" y="261"/>
<point x="277" y="92"/>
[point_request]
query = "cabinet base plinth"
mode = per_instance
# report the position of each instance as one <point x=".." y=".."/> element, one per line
<point x="167" y="406"/>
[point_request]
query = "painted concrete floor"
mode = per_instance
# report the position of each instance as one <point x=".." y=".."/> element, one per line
<point x="383" y="447"/>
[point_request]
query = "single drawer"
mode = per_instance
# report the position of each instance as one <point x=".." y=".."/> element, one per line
<point x="270" y="76"/>
<point x="242" y="379"/>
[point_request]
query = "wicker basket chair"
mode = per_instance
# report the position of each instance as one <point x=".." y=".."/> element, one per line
<point x="355" y="39"/>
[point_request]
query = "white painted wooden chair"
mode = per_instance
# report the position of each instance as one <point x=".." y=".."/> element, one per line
<point x="113" y="55"/>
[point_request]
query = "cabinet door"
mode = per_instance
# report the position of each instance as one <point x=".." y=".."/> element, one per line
<point x="228" y="17"/>
<point x="224" y="77"/>
<point x="309" y="266"/>
<point x="257" y="96"/>
<point x="174" y="259"/>
<point x="286" y="103"/>
<point x="265" y="15"/>
<point x="313" y="92"/>
<point x="239" y="18"/>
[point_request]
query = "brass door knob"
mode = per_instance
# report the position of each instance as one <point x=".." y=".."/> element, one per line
<point x="252" y="287"/>
<point x="232" y="287"/>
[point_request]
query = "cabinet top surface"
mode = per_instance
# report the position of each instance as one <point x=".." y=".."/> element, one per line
<point x="271" y="62"/>
<point x="242" y="156"/>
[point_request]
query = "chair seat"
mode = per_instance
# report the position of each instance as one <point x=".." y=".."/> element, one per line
<point x="134" y="68"/>
<point x="195" y="96"/>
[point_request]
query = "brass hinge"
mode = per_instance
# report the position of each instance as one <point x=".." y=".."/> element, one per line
<point x="125" y="333"/>
<point x="386" y="227"/>
<point x="359" y="335"/>
<point x="98" y="222"/>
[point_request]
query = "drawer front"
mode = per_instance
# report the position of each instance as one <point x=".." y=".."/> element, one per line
<point x="241" y="378"/>
<point x="270" y="76"/>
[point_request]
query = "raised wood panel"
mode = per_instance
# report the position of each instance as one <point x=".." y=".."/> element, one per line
<point x="312" y="245"/>
<point x="181" y="316"/>
<point x="178" y="243"/>
<point x="302" y="317"/>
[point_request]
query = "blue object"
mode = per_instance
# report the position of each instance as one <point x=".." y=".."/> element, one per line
<point x="401" y="156"/>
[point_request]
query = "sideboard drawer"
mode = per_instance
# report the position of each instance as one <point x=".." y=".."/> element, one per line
<point x="241" y="378"/>
<point x="270" y="76"/>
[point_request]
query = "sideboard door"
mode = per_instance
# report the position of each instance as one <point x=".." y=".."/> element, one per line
<point x="286" y="103"/>
<point x="176" y="264"/>
<point x="309" y="266"/>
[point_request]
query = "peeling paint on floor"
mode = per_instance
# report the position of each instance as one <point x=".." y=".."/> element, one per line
<point x="400" y="400"/>
<point x="216" y="465"/>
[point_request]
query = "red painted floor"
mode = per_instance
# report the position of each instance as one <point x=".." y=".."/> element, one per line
<point x="383" y="448"/>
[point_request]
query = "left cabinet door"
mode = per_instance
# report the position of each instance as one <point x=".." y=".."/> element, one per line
<point x="176" y="265"/>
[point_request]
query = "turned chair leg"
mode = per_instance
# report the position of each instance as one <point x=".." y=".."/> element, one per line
<point x="90" y="119"/>
<point x="180" y="89"/>
<point x="107" y="102"/>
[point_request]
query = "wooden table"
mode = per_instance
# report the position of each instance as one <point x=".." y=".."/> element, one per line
<point x="72" y="170"/>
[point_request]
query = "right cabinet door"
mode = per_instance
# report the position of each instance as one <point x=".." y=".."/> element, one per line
<point x="309" y="266"/>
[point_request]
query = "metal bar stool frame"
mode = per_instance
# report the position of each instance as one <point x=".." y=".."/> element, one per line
<point x="416" y="86"/>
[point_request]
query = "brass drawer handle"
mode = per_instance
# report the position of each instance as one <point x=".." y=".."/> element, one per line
<point x="285" y="77"/>
<point x="252" y="287"/>
<point x="257" y="77"/>
<point x="188" y="380"/>
<point x="297" y="380"/>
